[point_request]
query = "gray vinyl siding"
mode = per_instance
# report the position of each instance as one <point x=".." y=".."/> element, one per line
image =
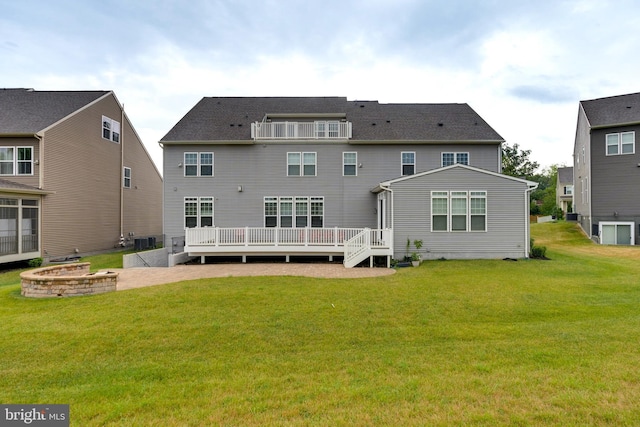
<point x="582" y="172"/>
<point x="614" y="180"/>
<point x="507" y="207"/>
<point x="84" y="172"/>
<point x="261" y="170"/>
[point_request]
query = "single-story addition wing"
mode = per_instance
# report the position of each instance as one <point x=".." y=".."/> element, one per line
<point x="458" y="212"/>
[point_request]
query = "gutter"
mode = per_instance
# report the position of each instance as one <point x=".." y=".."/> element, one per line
<point x="122" y="126"/>
<point x="527" y="207"/>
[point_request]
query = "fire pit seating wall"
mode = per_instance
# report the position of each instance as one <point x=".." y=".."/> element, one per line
<point x="65" y="280"/>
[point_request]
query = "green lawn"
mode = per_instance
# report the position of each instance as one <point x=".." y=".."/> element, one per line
<point x="449" y="343"/>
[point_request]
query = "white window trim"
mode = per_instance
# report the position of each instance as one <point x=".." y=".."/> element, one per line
<point x="449" y="197"/>
<point x="619" y="143"/>
<point x="125" y="177"/>
<point x="114" y="129"/>
<point x="198" y="201"/>
<point x="455" y="157"/>
<point x="15" y="162"/>
<point x="294" y="200"/>
<point x="302" y="164"/>
<point x="631" y="223"/>
<point x="355" y="163"/>
<point x="402" y="163"/>
<point x="198" y="164"/>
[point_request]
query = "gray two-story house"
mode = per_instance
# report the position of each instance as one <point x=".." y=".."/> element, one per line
<point x="327" y="176"/>
<point x="607" y="169"/>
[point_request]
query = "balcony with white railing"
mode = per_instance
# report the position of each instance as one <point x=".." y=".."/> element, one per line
<point x="330" y="130"/>
<point x="287" y="241"/>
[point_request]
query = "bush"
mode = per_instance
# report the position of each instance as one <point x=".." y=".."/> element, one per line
<point x="35" y="262"/>
<point x="539" y="252"/>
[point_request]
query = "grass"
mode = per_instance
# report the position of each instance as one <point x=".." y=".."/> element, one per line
<point x="449" y="343"/>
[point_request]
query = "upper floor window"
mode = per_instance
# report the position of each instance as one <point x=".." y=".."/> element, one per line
<point x="621" y="143"/>
<point x="16" y="160"/>
<point x="198" y="164"/>
<point x="327" y="129"/>
<point x="349" y="164"/>
<point x="126" y="177"/>
<point x="110" y="129"/>
<point x="301" y="164"/>
<point x="449" y="159"/>
<point x="408" y="162"/>
<point x="568" y="190"/>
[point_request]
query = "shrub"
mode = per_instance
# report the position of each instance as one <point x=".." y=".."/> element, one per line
<point x="539" y="252"/>
<point x="35" y="262"/>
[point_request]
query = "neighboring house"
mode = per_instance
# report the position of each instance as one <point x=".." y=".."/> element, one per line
<point x="74" y="175"/>
<point x="332" y="177"/>
<point x="607" y="169"/>
<point x="564" y="189"/>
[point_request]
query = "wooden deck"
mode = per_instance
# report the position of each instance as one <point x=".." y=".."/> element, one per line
<point x="355" y="244"/>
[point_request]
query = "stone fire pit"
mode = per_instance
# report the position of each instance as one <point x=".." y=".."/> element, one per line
<point x="66" y="280"/>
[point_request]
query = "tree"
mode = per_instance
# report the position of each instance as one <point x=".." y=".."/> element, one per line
<point x="516" y="162"/>
<point x="546" y="192"/>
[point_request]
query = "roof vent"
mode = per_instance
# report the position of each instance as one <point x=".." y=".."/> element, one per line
<point x="440" y="124"/>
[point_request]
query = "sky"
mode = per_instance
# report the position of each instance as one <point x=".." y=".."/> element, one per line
<point x="522" y="65"/>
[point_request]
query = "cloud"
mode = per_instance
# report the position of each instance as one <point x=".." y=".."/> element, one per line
<point x="544" y="94"/>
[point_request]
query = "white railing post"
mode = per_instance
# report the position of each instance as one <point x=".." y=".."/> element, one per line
<point x="246" y="236"/>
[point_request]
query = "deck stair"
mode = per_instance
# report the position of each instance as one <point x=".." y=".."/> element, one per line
<point x="357" y="249"/>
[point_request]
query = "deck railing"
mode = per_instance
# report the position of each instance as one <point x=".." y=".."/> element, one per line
<point x="270" y="236"/>
<point x="356" y="244"/>
<point x="301" y="130"/>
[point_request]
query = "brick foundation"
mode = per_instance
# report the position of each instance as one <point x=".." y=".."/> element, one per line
<point x="66" y="280"/>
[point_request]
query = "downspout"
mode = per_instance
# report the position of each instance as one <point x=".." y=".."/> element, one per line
<point x="527" y="208"/>
<point x="122" y="126"/>
<point x="391" y="213"/>
<point x="390" y="210"/>
<point x="40" y="139"/>
<point x="40" y="160"/>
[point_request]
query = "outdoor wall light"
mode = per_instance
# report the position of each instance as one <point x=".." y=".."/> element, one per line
<point x="180" y="164"/>
<point x="239" y="188"/>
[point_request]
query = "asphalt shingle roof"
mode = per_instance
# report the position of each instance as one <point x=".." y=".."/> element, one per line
<point x="26" y="111"/>
<point x="565" y="174"/>
<point x="613" y="110"/>
<point x="6" y="185"/>
<point x="230" y="118"/>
